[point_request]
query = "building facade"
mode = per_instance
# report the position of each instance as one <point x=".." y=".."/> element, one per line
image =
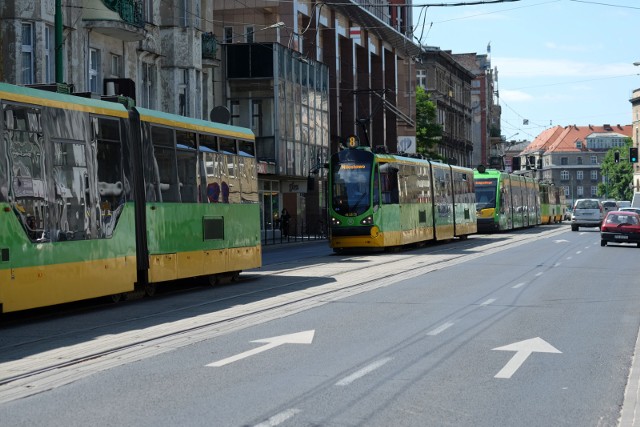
<point x="571" y="156"/>
<point x="448" y="85"/>
<point x="485" y="113"/>
<point x="342" y="69"/>
<point x="315" y="73"/>
<point x="635" y="123"/>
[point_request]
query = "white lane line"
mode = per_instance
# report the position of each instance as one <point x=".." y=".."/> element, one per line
<point x="578" y="253"/>
<point x="538" y="274"/>
<point x="557" y="264"/>
<point x="569" y="257"/>
<point x="489" y="301"/>
<point x="279" y="418"/>
<point x="439" y="329"/>
<point x="362" y="372"/>
<point x="519" y="285"/>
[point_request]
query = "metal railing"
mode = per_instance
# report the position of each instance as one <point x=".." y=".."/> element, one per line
<point x="299" y="231"/>
<point x="131" y="11"/>
<point x="209" y="46"/>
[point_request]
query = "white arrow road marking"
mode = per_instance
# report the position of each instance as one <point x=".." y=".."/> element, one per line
<point x="305" y="337"/>
<point x="560" y="241"/>
<point x="523" y="350"/>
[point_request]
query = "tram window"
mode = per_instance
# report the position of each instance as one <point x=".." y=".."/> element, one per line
<point x="231" y="187"/>
<point x="228" y="146"/>
<point x="248" y="181"/>
<point x="112" y="188"/>
<point x="24" y="178"/>
<point x="72" y="197"/>
<point x="247" y="148"/>
<point x="376" y="187"/>
<point x="165" y="157"/>
<point x="389" y="187"/>
<point x="187" y="169"/>
<point x="209" y="165"/>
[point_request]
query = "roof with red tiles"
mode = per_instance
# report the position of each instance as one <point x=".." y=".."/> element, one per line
<point x="563" y="139"/>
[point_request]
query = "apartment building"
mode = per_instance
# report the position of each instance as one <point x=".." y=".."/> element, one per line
<point x="317" y="73"/>
<point x="571" y="156"/>
<point x="448" y="84"/>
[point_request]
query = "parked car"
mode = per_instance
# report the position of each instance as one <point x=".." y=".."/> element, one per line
<point x="586" y="213"/>
<point x="620" y="227"/>
<point x="623" y="204"/>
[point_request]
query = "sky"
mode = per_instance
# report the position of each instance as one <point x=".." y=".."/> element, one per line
<point x="559" y="62"/>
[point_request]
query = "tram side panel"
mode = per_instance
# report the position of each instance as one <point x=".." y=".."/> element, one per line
<point x="443" y="201"/>
<point x="416" y="213"/>
<point x="66" y="217"/>
<point x="202" y="209"/>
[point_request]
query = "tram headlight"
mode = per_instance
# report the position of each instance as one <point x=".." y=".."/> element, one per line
<point x="335" y="221"/>
<point x="367" y="221"/>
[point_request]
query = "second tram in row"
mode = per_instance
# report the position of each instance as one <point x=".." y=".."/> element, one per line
<point x="507" y="201"/>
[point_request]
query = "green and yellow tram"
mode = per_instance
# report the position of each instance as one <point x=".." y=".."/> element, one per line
<point x="506" y="201"/>
<point x="552" y="203"/>
<point x="99" y="200"/>
<point x="383" y="200"/>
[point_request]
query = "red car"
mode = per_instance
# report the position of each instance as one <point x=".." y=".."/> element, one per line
<point x="620" y="227"/>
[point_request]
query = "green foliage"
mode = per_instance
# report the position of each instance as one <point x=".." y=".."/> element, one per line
<point x="618" y="176"/>
<point x="428" y="131"/>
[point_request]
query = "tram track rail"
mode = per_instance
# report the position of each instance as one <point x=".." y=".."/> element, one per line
<point x="31" y="367"/>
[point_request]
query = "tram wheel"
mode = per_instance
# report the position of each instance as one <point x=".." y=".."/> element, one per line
<point x="116" y="298"/>
<point x="214" y="279"/>
<point x="235" y="276"/>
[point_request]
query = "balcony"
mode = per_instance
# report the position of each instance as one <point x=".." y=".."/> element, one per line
<point x="209" y="46"/>
<point x="120" y="19"/>
<point x="209" y="50"/>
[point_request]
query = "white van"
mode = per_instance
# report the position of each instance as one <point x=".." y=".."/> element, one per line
<point x="635" y="202"/>
<point x="623" y="204"/>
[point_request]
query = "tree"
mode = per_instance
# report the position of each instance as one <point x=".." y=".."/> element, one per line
<point x="617" y="176"/>
<point x="428" y="131"/>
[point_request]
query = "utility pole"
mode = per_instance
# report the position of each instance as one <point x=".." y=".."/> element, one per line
<point x="59" y="42"/>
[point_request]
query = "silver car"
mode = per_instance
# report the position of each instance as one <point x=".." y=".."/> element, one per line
<point x="586" y="213"/>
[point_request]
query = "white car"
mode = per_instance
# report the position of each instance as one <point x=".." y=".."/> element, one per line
<point x="587" y="213"/>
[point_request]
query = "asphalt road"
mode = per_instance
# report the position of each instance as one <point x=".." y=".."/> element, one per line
<point x="534" y="328"/>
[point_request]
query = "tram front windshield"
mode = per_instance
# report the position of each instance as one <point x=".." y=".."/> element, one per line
<point x="351" y="185"/>
<point x="485" y="193"/>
